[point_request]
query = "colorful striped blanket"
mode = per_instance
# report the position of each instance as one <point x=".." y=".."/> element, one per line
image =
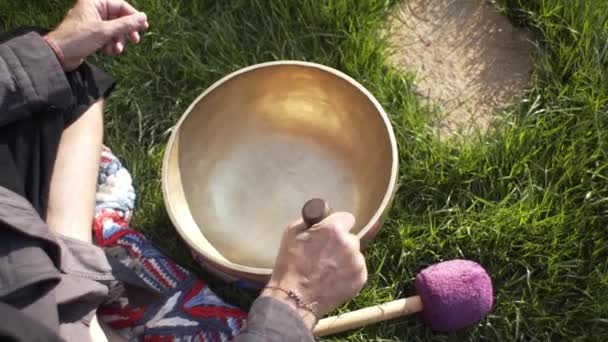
<point x="189" y="310"/>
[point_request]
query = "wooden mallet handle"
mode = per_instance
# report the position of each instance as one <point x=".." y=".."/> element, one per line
<point x="370" y="315"/>
<point x="314" y="211"/>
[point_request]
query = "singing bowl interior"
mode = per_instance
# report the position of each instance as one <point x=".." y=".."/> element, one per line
<point x="254" y="147"/>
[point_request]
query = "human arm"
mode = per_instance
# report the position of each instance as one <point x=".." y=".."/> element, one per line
<point x="322" y="265"/>
<point x="33" y="66"/>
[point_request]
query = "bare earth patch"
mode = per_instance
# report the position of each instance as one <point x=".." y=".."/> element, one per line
<point x="468" y="58"/>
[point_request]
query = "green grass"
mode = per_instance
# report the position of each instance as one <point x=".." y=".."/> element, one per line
<point x="529" y="201"/>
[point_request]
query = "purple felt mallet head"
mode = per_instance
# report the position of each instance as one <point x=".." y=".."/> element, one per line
<point x="455" y="294"/>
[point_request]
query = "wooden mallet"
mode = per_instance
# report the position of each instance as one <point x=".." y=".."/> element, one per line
<point x="452" y="295"/>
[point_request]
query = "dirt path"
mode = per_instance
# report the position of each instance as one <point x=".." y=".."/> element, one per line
<point x="469" y="58"/>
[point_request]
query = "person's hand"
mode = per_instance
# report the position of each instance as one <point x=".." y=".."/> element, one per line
<point x="96" y="24"/>
<point x="323" y="265"/>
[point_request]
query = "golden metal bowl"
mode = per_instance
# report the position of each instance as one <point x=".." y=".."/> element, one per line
<point x="257" y="144"/>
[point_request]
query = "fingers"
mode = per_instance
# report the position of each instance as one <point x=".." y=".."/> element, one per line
<point x="341" y="220"/>
<point x="119" y="8"/>
<point x="297" y="226"/>
<point x="134" y="37"/>
<point x="336" y="227"/>
<point x="363" y="267"/>
<point x="353" y="242"/>
<point x="117" y="29"/>
<point x="117" y="44"/>
<point x="123" y="22"/>
<point x="108" y="49"/>
<point x="127" y="24"/>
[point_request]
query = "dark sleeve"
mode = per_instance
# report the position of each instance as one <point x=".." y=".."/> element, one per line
<point x="31" y="78"/>
<point x="270" y="320"/>
<point x="88" y="84"/>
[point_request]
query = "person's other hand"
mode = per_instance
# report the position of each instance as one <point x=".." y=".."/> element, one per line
<point x="97" y="24"/>
<point x="323" y="265"/>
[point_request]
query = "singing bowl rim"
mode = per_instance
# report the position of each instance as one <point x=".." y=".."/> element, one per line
<point x="257" y="272"/>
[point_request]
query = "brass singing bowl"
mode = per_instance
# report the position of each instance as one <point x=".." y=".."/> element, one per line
<point x="256" y="145"/>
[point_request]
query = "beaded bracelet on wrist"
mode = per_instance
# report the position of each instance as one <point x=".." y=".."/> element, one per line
<point x="298" y="301"/>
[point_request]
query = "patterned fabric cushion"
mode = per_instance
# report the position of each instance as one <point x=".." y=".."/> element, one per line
<point x="189" y="310"/>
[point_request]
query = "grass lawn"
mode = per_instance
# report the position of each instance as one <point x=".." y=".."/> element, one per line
<point x="529" y="201"/>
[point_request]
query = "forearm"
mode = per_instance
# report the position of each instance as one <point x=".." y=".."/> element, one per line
<point x="73" y="183"/>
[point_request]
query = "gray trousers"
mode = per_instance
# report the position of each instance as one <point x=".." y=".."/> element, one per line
<point x="53" y="282"/>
